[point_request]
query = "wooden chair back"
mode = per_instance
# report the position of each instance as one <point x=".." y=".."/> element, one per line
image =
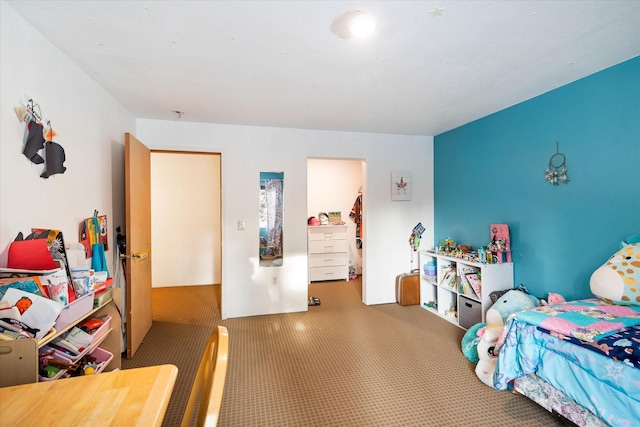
<point x="209" y="381"/>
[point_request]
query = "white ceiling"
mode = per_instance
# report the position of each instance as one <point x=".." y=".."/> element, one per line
<point x="277" y="63"/>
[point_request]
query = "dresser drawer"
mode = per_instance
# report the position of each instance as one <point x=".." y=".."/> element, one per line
<point x="327" y="260"/>
<point x="327" y="273"/>
<point x="327" y="233"/>
<point x="324" y="246"/>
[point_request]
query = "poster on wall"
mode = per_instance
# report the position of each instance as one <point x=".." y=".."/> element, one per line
<point x="401" y="185"/>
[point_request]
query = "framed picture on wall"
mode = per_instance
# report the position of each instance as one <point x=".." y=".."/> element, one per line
<point x="401" y="185"/>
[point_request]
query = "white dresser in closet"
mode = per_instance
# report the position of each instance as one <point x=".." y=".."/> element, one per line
<point x="327" y="250"/>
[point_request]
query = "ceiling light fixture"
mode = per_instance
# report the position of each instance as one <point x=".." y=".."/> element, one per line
<point x="354" y="24"/>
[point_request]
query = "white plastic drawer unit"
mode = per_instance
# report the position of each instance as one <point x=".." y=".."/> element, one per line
<point x="327" y="253"/>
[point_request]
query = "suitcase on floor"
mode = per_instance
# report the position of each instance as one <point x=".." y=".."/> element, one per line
<point x="408" y="288"/>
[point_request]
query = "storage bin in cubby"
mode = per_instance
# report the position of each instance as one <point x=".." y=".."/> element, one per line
<point x="61" y="372"/>
<point x="74" y="310"/>
<point x="469" y="312"/>
<point x="97" y="334"/>
<point x="101" y="355"/>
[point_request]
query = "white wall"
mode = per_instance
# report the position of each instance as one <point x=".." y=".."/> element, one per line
<point x="248" y="290"/>
<point x="90" y="125"/>
<point x="185" y="219"/>
<point x="332" y="185"/>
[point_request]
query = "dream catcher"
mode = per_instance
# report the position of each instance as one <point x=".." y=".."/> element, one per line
<point x="557" y="170"/>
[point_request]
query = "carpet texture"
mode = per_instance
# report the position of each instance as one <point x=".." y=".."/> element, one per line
<point x="342" y="363"/>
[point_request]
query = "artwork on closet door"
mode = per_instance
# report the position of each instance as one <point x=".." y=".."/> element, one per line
<point x="401" y="185"/>
<point x="271" y="218"/>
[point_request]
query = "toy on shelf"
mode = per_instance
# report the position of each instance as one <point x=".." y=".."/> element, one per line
<point x="482" y="255"/>
<point x="496" y="252"/>
<point x="451" y="313"/>
<point x="447" y="246"/>
<point x="500" y="243"/>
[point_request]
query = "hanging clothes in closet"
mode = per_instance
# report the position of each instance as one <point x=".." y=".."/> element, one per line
<point x="356" y="216"/>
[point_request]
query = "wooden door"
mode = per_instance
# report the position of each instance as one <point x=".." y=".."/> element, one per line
<point x="137" y="168"/>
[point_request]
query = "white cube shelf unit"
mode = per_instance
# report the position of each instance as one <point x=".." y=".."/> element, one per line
<point x="450" y="295"/>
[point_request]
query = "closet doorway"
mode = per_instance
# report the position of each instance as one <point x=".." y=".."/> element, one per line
<point x="185" y="218"/>
<point x="338" y="185"/>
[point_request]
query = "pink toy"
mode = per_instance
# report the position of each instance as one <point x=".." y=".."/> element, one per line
<point x="500" y="242"/>
<point x="554" y="299"/>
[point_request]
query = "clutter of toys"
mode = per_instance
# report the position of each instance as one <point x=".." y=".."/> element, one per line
<point x="497" y="251"/>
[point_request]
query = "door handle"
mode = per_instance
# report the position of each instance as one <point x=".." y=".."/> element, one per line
<point x="139" y="255"/>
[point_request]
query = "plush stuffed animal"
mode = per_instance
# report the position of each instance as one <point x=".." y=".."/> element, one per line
<point x="511" y="302"/>
<point x="556" y="298"/>
<point x="470" y="342"/>
<point x="553" y="298"/>
<point x="618" y="280"/>
<point x="487" y="358"/>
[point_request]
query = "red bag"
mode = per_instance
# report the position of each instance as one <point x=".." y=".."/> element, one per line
<point x="30" y="255"/>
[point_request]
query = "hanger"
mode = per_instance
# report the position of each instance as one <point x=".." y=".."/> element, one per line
<point x="31" y="107"/>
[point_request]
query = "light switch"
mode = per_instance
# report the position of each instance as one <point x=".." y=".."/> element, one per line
<point x="240" y="225"/>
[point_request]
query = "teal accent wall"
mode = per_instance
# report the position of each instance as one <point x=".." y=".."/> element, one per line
<point x="492" y="171"/>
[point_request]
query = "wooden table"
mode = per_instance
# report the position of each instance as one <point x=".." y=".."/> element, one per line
<point x="130" y="397"/>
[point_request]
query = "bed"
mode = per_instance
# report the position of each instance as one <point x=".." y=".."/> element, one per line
<point x="580" y="359"/>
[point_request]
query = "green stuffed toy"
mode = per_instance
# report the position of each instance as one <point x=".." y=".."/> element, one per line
<point x="470" y="342"/>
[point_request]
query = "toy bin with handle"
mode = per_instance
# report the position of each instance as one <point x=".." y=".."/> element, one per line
<point x="103" y="358"/>
<point x="60" y="373"/>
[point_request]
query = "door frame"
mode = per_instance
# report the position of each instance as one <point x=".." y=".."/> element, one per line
<point x="363" y="169"/>
<point x="217" y="209"/>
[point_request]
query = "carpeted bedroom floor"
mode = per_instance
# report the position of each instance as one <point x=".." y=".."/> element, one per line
<point x="342" y="363"/>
